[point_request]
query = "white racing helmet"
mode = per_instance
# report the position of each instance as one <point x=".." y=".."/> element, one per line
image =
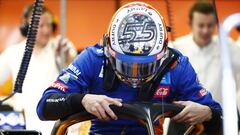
<point x="137" y="43"/>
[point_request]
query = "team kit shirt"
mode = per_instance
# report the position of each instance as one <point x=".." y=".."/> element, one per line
<point x="41" y="72"/>
<point x="207" y="62"/>
<point x="85" y="75"/>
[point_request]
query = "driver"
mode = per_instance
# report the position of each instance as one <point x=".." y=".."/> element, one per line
<point x="124" y="69"/>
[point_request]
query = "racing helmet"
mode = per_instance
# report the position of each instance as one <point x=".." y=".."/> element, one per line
<point x="137" y="42"/>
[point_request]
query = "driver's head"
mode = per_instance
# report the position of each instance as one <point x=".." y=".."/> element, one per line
<point x="47" y="24"/>
<point x="137" y="43"/>
<point x="202" y="22"/>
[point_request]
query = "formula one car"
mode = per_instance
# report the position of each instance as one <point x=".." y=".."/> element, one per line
<point x="144" y="112"/>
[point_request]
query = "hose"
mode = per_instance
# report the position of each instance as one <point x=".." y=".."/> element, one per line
<point x="31" y="38"/>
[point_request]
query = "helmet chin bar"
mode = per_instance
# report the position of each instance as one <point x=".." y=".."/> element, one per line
<point x="133" y="82"/>
<point x="145" y="113"/>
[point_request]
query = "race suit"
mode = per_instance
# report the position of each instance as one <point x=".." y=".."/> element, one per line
<point x="85" y="75"/>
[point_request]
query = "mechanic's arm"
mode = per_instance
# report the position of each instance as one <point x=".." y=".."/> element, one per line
<point x="65" y="47"/>
<point x="68" y="95"/>
<point x="198" y="102"/>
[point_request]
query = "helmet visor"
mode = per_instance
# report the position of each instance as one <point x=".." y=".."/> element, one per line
<point x="135" y="70"/>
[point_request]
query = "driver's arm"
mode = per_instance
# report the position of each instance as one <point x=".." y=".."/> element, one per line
<point x="64" y="96"/>
<point x="69" y="93"/>
<point x="200" y="106"/>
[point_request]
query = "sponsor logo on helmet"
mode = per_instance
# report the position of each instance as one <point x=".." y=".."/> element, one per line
<point x="59" y="85"/>
<point x="162" y="91"/>
<point x="137" y="34"/>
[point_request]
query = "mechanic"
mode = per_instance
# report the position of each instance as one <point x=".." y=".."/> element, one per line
<point x="133" y="52"/>
<point x="48" y="50"/>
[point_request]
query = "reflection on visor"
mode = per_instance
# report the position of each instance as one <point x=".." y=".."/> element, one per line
<point x="135" y="70"/>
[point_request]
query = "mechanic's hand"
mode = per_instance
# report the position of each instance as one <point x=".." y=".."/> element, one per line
<point x="193" y="113"/>
<point x="98" y="105"/>
<point x="65" y="52"/>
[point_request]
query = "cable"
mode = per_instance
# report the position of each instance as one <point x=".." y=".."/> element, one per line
<point x="31" y="37"/>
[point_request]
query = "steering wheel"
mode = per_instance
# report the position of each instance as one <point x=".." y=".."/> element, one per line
<point x="145" y="113"/>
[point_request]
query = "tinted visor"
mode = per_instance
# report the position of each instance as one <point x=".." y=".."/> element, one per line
<point x="135" y="70"/>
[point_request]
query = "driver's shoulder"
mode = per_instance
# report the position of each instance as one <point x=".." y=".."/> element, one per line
<point x="90" y="61"/>
<point x="181" y="67"/>
<point x="95" y="50"/>
<point x="91" y="54"/>
<point x="181" y="60"/>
